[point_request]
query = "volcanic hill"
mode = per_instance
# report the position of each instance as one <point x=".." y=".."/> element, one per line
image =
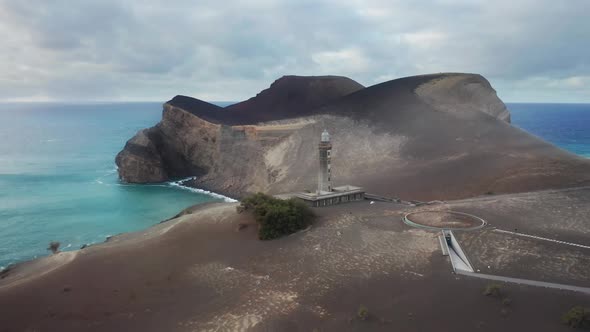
<point x="440" y="136"/>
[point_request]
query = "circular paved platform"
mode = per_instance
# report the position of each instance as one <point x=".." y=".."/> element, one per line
<point x="439" y="220"/>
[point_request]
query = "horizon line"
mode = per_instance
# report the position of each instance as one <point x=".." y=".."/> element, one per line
<point x="212" y="101"/>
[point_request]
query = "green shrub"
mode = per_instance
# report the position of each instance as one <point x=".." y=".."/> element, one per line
<point x="362" y="313"/>
<point x="577" y="317"/>
<point x="54" y="247"/>
<point x="493" y="290"/>
<point x="277" y="217"/>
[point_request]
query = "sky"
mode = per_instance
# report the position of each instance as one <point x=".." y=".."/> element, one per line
<point x="152" y="50"/>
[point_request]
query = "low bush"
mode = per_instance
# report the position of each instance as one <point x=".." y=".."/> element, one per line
<point x="54" y="247"/>
<point x="362" y="313"/>
<point x="277" y="217"/>
<point x="577" y="317"/>
<point x="493" y="290"/>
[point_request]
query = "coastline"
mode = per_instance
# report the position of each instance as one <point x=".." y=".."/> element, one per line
<point x="178" y="184"/>
<point x="28" y="270"/>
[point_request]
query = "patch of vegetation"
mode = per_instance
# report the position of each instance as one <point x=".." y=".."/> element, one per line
<point x="362" y="313"/>
<point x="54" y="247"/>
<point x="490" y="193"/>
<point x="493" y="290"/>
<point x="277" y="217"/>
<point x="577" y="317"/>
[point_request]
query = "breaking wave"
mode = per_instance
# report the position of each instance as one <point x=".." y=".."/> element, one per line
<point x="178" y="184"/>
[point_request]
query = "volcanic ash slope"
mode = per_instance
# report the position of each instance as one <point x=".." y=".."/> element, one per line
<point x="441" y="136"/>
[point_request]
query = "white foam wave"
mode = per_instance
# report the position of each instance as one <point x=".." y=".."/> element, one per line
<point x="111" y="172"/>
<point x="107" y="174"/>
<point x="178" y="184"/>
<point x="124" y="184"/>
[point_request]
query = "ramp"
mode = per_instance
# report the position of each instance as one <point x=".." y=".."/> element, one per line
<point x="458" y="258"/>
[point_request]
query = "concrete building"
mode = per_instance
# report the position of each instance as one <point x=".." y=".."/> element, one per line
<point x="338" y="195"/>
<point x="325" y="194"/>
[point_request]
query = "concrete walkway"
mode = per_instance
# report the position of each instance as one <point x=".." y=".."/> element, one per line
<point x="514" y="195"/>
<point x="542" y="238"/>
<point x="578" y="289"/>
<point x="528" y="282"/>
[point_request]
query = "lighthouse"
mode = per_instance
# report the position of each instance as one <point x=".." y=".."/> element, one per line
<point x="325" y="174"/>
<point x="327" y="195"/>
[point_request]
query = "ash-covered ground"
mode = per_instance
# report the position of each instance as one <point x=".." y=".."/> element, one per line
<point x="203" y="272"/>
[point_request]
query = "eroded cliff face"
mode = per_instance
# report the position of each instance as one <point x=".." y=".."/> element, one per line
<point x="428" y="137"/>
<point x="220" y="146"/>
<point x="463" y="94"/>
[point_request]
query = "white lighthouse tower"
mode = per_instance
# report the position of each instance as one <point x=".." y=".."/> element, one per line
<point x="325" y="174"/>
<point x="326" y="194"/>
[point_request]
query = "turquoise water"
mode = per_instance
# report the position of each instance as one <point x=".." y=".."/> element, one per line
<point x="58" y="180"/>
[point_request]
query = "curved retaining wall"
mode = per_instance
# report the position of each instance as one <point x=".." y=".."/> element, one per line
<point x="409" y="222"/>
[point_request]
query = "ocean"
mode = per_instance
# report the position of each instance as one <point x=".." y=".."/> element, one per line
<point x="564" y="125"/>
<point x="58" y="180"/>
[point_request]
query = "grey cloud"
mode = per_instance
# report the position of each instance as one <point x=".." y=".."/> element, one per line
<point x="231" y="50"/>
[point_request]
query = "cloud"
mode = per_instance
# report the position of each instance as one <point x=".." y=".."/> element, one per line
<point x="574" y="89"/>
<point x="230" y="50"/>
<point x="349" y="60"/>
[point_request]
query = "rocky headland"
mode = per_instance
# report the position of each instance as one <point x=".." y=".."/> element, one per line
<point x="440" y="136"/>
